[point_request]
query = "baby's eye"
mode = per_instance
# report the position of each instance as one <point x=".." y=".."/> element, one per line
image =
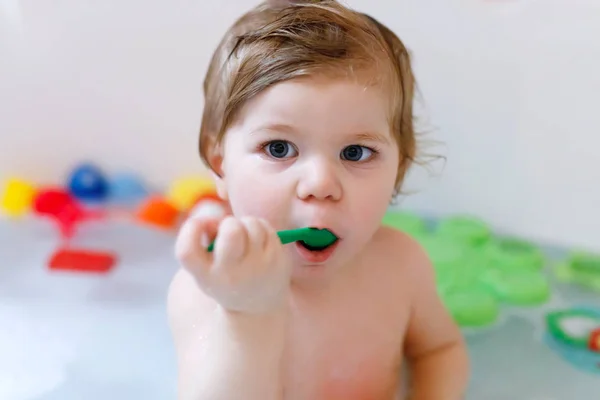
<point x="356" y="153"/>
<point x="280" y="149"/>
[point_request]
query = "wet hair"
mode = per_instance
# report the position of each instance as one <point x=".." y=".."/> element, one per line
<point x="282" y="40"/>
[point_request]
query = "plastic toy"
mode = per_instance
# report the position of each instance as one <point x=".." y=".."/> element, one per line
<point x="475" y="308"/>
<point x="523" y="288"/>
<point x="18" y="197"/>
<point x="515" y="254"/>
<point x="82" y="261"/>
<point x="127" y="190"/>
<point x="580" y="268"/>
<point x="594" y="342"/>
<point x="464" y="229"/>
<point x="63" y="208"/>
<point x="88" y="183"/>
<point x="185" y="192"/>
<point x="312" y="237"/>
<point x="575" y="335"/>
<point x="158" y="212"/>
<point x="474" y="282"/>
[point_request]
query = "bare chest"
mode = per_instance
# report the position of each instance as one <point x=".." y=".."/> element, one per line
<point x="352" y="352"/>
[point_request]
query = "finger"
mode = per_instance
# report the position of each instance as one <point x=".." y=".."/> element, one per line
<point x="271" y="238"/>
<point x="231" y="242"/>
<point x="189" y="247"/>
<point x="257" y="233"/>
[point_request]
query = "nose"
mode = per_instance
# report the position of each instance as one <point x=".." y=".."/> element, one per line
<point x="319" y="180"/>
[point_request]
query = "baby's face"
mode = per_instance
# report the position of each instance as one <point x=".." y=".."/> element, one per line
<point x="313" y="152"/>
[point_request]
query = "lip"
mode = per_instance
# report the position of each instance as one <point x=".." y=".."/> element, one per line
<point x="321" y="227"/>
<point x="315" y="258"/>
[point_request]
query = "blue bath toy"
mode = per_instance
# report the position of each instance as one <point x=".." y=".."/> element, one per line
<point x="88" y="183"/>
<point x="127" y="189"/>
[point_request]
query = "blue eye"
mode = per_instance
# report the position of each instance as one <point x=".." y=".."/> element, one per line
<point x="356" y="153"/>
<point x="280" y="149"/>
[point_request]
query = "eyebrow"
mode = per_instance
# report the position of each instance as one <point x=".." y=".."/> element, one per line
<point x="283" y="128"/>
<point x="371" y="137"/>
<point x="358" y="136"/>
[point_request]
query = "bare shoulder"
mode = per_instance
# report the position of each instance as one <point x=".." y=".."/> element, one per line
<point x="397" y="245"/>
<point x="187" y="306"/>
<point x="406" y="260"/>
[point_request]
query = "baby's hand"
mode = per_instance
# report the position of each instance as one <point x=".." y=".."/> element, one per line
<point x="248" y="270"/>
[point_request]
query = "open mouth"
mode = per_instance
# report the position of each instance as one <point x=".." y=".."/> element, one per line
<point x="318" y="240"/>
<point x="317" y="248"/>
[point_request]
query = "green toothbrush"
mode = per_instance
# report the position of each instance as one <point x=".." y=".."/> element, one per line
<point x="313" y="237"/>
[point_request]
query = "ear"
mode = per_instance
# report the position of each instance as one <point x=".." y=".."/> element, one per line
<point x="215" y="160"/>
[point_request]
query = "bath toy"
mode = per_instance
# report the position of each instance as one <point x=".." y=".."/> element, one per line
<point x="312" y="237"/>
<point x="515" y="254"/>
<point x="127" y="189"/>
<point x="475" y="281"/>
<point x="158" y="212"/>
<point x="444" y="254"/>
<point x="580" y="268"/>
<point x="82" y="261"/>
<point x="574" y="334"/>
<point x="472" y="308"/>
<point x="17" y="197"/>
<point x="594" y="342"/>
<point x="464" y="229"/>
<point x="88" y="183"/>
<point x="63" y="208"/>
<point x="524" y="288"/>
<point x="575" y="327"/>
<point x="409" y="223"/>
<point x="184" y="192"/>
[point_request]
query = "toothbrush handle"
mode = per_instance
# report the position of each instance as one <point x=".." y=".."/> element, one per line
<point x="291" y="235"/>
<point x="286" y="236"/>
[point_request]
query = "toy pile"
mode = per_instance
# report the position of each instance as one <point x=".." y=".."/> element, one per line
<point x="90" y="194"/>
<point x="478" y="272"/>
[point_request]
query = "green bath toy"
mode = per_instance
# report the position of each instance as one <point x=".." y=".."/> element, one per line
<point x="573" y="326"/>
<point x="514" y="254"/>
<point x="312" y="237"/>
<point x="465" y="229"/>
<point x="525" y="288"/>
<point x="472" y="308"/>
<point x="582" y="269"/>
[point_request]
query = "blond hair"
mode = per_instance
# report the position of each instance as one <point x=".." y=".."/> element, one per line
<point x="282" y="40"/>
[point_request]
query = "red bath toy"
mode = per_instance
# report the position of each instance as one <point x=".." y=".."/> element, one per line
<point x="64" y="209"/>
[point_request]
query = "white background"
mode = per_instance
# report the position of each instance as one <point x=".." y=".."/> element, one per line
<point x="510" y="87"/>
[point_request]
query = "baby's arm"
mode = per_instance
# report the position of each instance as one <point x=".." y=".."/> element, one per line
<point x="439" y="365"/>
<point x="221" y="354"/>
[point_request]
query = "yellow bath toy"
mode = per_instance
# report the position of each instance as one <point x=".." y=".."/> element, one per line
<point x="17" y="197"/>
<point x="184" y="192"/>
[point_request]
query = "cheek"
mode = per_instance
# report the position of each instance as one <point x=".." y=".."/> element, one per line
<point x="370" y="203"/>
<point x="258" y="195"/>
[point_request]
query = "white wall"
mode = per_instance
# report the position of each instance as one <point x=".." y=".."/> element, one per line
<point x="510" y="86"/>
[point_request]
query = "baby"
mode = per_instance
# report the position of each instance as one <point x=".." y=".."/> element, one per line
<point x="308" y="123"/>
